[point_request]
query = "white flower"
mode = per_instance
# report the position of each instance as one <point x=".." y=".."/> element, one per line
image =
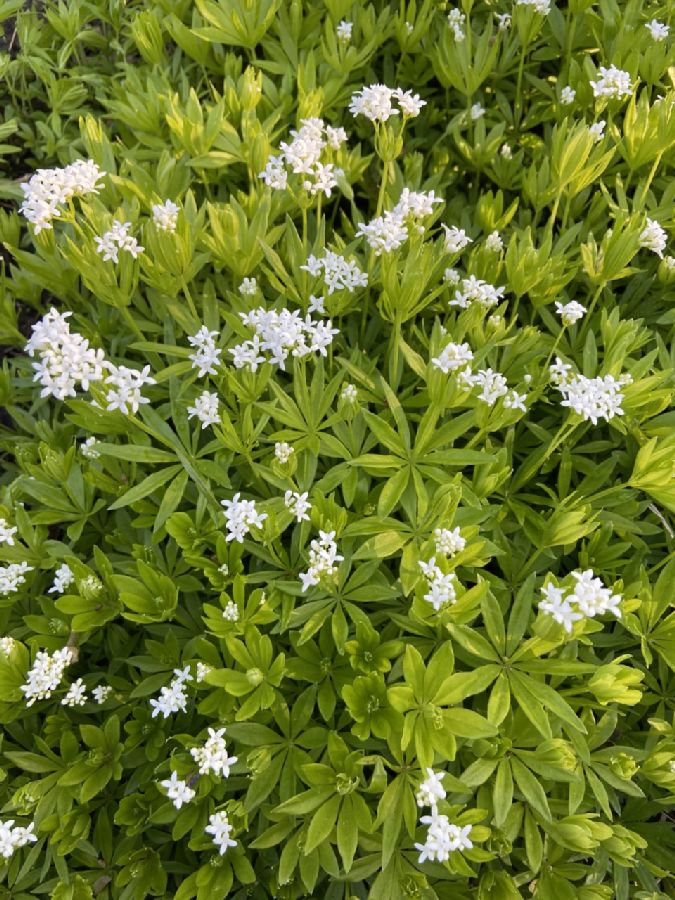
<point x="415" y="205"/>
<point x="11" y="577"/>
<point x="570" y="312"/>
<point x="456" y="239"/>
<point x="49" y="189"/>
<point x="298" y="505"/>
<point x="597" y="130"/>
<point x="46" y="674"/>
<point x="658" y="30"/>
<point x="475" y="290"/>
<point x="384" y="233"/>
<point x="7" y="645"/>
<point x="492" y="384"/>
<point x="118" y="238"/>
<point x="442" y="591"/>
<point x="449" y="541"/>
<point x="338" y="273"/>
<point x="283" y="452"/>
<point x="612" y="82"/>
<point x="88" y="448"/>
<point x="240" y="517"/>
<point x="7" y="532"/>
<point x="374" y="103"/>
<point x="219" y="826"/>
<point x="506" y="151"/>
<point x="503" y="21"/>
<point x="442" y="838"/>
<point x="11" y="838"/>
<point x="125" y="388"/>
<point x="453" y="356"/>
<point x="281" y="334"/>
<point x="410" y="103"/>
<point x="205" y="409"/>
<point x="213" y="755"/>
<point x="172" y="699"/>
<point x="514" y="400"/>
<point x="76" y="695"/>
<point x="66" y="359"/>
<point x="349" y="394"/>
<point x="165" y="215"/>
<point x="302" y="156"/>
<point x="592" y="597"/>
<point x="431" y="790"/>
<point x="494" y="242"/>
<point x="344" y="31"/>
<point x="177" y="791"/>
<point x="456" y="22"/>
<point x="231" y="612"/>
<point x="669" y="262"/>
<point x="567" y="95"/>
<point x="323" y="557"/>
<point x="274" y="174"/>
<point x="451" y="276"/>
<point x="206" y="357"/>
<point x="335" y="137"/>
<point x="101" y="693"/>
<point x="248" y="287"/>
<point x="653" y="237"/>
<point x="477" y="111"/>
<point x="202" y="671"/>
<point x="543" y="7"/>
<point x="63" y="578"/>
<point x="592" y="398"/>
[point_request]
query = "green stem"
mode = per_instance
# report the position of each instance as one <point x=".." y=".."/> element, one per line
<point x="190" y="301"/>
<point x="591" y="308"/>
<point x="519" y="86"/>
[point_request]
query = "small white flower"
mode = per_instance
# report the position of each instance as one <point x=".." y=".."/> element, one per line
<point x="506" y="151"/>
<point x="477" y="111"/>
<point x="654" y="237"/>
<point x="248" y="287"/>
<point x="77" y="695"/>
<point x="431" y="790"/>
<point x="177" y="791"/>
<point x="456" y="22"/>
<point x="658" y="30"/>
<point x="597" y="130"/>
<point x="206" y="357"/>
<point x="283" y="452"/>
<point x="514" y="400"/>
<point x="344" y="31"/>
<point x="213" y="755"/>
<point x="494" y="242"/>
<point x="503" y="21"/>
<point x="165" y="215"/>
<point x="567" y="95"/>
<point x="410" y="103"/>
<point x="456" y="239"/>
<point x="219" y="826"/>
<point x="453" y="356"/>
<point x="451" y="276"/>
<point x="323" y="557"/>
<point x="231" y="612"/>
<point x="101" y="692"/>
<point x="349" y="394"/>
<point x="202" y="671"/>
<point x="12" y="577"/>
<point x="205" y="408"/>
<point x="298" y="505"/>
<point x="570" y="312"/>
<point x="612" y="82"/>
<point x="46" y="674"/>
<point x="448" y="541"/>
<point x="118" y="238"/>
<point x="240" y="517"/>
<point x="88" y="448"/>
<point x="7" y="532"/>
<point x="543" y="7"/>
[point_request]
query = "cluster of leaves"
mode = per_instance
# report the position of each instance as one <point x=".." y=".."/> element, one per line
<point x="558" y="749"/>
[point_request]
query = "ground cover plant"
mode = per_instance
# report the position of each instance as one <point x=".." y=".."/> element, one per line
<point x="337" y="498"/>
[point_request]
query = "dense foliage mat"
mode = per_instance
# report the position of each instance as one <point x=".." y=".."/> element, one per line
<point x="337" y="500"/>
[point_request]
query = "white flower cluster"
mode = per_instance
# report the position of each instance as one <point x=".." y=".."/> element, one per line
<point x="442" y="591"/>
<point x="349" y="394"/>
<point x="543" y="7"/>
<point x="344" y="31"/>
<point x="101" y="693"/>
<point x="376" y="103"/>
<point x="219" y="827"/>
<point x="338" y="273"/>
<point x="302" y="156"/>
<point x="390" y="230"/>
<point x="589" y="598"/>
<point x="567" y="95"/>
<point x="206" y="356"/>
<point x="592" y="398"/>
<point x="14" y="836"/>
<point x="658" y="30"/>
<point x="612" y="82"/>
<point x="442" y="837"/>
<point x="453" y="356"/>
<point x="205" y="408"/>
<point x="449" y="541"/>
<point x="653" y="237"/>
<point x="492" y="384"/>
<point x="118" y="238"/>
<point x="66" y="359"/>
<point x="178" y="791"/>
<point x="46" y="674"/>
<point x="477" y="112"/>
<point x="48" y="189"/>
<point x="7" y="532"/>
<point x="231" y="612"/>
<point x="213" y="756"/>
<point x="11" y="577"/>
<point x="7" y="645"/>
<point x="494" y="242"/>
<point x="431" y="790"/>
<point x="248" y="287"/>
<point x="280" y="334"/>
<point x="76" y="694"/>
<point x="125" y="387"/>
<point x="240" y="517"/>
<point x="570" y="312"/>
<point x="323" y="557"/>
<point x="475" y="290"/>
<point x="298" y="504"/>
<point x="456" y="23"/>
<point x="165" y="215"/>
<point x="63" y="578"/>
<point x="88" y="448"/>
<point x="503" y="21"/>
<point x="456" y="239"/>
<point x="172" y="699"/>
<point x="283" y="452"/>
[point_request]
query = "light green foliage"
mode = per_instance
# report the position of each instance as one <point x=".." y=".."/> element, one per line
<point x="557" y="747"/>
